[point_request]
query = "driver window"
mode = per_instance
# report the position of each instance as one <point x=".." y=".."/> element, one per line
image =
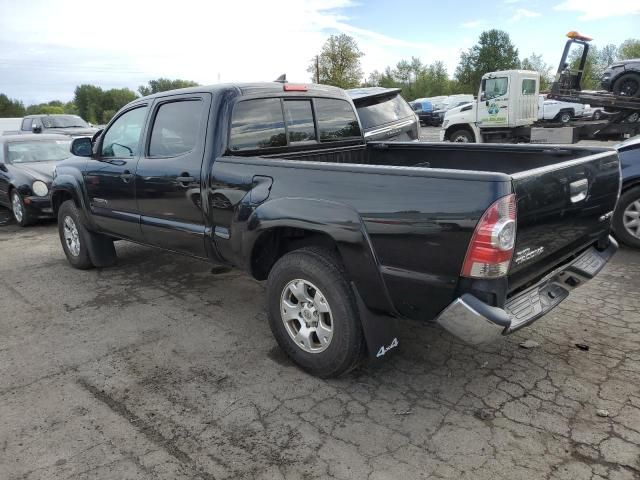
<point x="495" y="87"/>
<point x="123" y="137"/>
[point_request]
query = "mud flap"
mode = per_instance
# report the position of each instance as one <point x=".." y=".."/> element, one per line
<point x="380" y="331"/>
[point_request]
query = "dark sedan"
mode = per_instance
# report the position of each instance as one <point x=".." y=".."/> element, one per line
<point x="27" y="163"/>
<point x="626" y="219"/>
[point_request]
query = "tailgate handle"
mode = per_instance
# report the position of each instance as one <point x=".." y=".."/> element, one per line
<point x="578" y="190"/>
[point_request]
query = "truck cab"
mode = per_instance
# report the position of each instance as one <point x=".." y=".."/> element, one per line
<point x="507" y="101"/>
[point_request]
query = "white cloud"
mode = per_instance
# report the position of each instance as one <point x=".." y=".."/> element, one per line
<point x="521" y="13"/>
<point x="473" y="24"/>
<point x="57" y="45"/>
<point x="595" y="9"/>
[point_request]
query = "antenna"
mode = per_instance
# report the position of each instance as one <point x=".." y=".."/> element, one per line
<point x="282" y="78"/>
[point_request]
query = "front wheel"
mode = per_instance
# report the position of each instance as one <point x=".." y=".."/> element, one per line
<point x="20" y="213"/>
<point x="462" y="136"/>
<point x="597" y="115"/>
<point x="626" y="218"/>
<point x="313" y="313"/>
<point x="73" y="236"/>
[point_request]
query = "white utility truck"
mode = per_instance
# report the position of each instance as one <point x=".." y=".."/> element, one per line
<point x="506" y="107"/>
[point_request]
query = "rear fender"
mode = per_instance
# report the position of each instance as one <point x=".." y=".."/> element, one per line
<point x="344" y="225"/>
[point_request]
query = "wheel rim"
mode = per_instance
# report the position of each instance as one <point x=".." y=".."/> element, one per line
<point x="631" y="219"/>
<point x="460" y="139"/>
<point x="596" y="116"/>
<point x="629" y="87"/>
<point x="565" y="118"/>
<point x="17" y="207"/>
<point x="71" y="236"/>
<point x="306" y="316"/>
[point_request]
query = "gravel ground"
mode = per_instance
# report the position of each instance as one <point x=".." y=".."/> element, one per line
<point x="158" y="369"/>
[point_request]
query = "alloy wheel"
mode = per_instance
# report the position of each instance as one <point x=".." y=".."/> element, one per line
<point x="71" y="236"/>
<point x="631" y="219"/>
<point x="16" y="205"/>
<point x="306" y="315"/>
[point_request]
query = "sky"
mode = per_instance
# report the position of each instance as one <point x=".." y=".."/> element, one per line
<point x="48" y="47"/>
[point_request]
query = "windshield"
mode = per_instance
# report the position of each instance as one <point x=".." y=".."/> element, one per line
<point x="384" y="110"/>
<point x="63" y="121"/>
<point x="38" y="151"/>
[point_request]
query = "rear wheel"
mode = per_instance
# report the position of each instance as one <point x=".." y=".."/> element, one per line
<point x="313" y="313"/>
<point x="20" y="213"/>
<point x="462" y="136"/>
<point x="626" y="219"/>
<point x="628" y="85"/>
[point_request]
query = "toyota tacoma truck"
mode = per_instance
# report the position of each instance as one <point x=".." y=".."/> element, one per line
<point x="276" y="179"/>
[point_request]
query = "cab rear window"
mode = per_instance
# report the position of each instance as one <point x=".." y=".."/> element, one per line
<point x="380" y="111"/>
<point x="273" y="122"/>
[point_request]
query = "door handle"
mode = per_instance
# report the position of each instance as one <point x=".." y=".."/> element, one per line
<point x="126" y="176"/>
<point x="185" y="179"/>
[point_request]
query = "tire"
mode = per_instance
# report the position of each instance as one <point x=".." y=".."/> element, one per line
<point x="628" y="210"/>
<point x="462" y="136"/>
<point x="597" y="115"/>
<point x="84" y="249"/>
<point x="19" y="210"/>
<point x="628" y="85"/>
<point x="316" y="275"/>
<point x="565" y="116"/>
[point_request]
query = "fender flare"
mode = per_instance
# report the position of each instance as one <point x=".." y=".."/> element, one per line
<point x="345" y="226"/>
<point x="340" y="222"/>
<point x="66" y="182"/>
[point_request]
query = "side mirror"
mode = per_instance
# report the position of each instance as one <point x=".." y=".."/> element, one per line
<point x="36" y="128"/>
<point x="81" y="147"/>
<point x="3" y="167"/>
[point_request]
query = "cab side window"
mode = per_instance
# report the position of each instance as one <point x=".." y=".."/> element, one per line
<point x="26" y="125"/>
<point x="494" y="87"/>
<point x="257" y="124"/>
<point x="175" y="128"/>
<point x="336" y="120"/>
<point x="123" y="137"/>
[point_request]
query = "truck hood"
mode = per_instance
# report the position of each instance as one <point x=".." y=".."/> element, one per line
<point x="462" y="114"/>
<point x="73" y="131"/>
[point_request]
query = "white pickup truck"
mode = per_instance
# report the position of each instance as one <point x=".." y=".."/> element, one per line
<point x="558" y="111"/>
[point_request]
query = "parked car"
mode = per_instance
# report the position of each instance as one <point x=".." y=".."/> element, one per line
<point x="71" y="125"/>
<point x="558" y="111"/>
<point x="623" y="78"/>
<point x="594" y="113"/>
<point x="278" y="180"/>
<point x="9" y="125"/>
<point x="425" y="109"/>
<point x="626" y="219"/>
<point x="384" y="114"/>
<point x="26" y="170"/>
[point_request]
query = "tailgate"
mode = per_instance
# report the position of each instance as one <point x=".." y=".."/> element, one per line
<point x="562" y="209"/>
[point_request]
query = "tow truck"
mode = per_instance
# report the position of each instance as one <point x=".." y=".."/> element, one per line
<point x="506" y="107"/>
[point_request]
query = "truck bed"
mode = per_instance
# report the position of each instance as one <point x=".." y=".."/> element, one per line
<point x="565" y="196"/>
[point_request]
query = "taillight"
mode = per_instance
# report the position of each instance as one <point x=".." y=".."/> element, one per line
<point x="491" y="248"/>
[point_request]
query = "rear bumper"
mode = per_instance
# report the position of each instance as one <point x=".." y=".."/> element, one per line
<point x="475" y="322"/>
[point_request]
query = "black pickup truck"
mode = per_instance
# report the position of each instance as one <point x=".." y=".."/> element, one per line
<point x="277" y="180"/>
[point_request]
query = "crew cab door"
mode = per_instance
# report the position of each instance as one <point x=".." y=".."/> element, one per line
<point x="109" y="176"/>
<point x="493" y="102"/>
<point x="168" y="176"/>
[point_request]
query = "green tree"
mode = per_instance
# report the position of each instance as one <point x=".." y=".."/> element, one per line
<point x="494" y="51"/>
<point x="536" y="63"/>
<point x="88" y="100"/>
<point x="164" y="84"/>
<point x="113" y="100"/>
<point x="52" y="107"/>
<point x="338" y="63"/>
<point x="10" y="108"/>
<point x="630" y="48"/>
